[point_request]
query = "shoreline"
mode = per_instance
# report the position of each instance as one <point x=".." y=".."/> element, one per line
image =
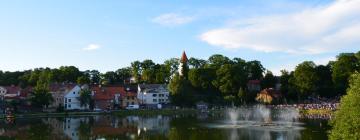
<point x="303" y="113"/>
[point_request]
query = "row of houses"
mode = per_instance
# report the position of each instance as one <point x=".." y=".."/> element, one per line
<point x="67" y="96"/>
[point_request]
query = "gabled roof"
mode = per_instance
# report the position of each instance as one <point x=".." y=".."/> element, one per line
<point x="107" y="93"/>
<point x="60" y="87"/>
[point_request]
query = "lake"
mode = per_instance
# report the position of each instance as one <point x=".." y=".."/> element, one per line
<point x="174" y="127"/>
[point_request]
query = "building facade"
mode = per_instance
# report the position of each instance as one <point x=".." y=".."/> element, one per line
<point x="153" y="94"/>
<point x="71" y="99"/>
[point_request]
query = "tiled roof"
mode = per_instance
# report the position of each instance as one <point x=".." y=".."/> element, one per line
<point x="107" y="93"/>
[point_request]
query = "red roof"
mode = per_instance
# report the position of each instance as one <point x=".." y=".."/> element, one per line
<point x="56" y="87"/>
<point x="15" y="92"/>
<point x="184" y="57"/>
<point x="107" y="93"/>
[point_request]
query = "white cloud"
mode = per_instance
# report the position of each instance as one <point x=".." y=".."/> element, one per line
<point x="311" y="31"/>
<point x="172" y="19"/>
<point x="92" y="47"/>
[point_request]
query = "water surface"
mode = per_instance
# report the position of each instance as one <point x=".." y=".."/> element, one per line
<point x="176" y="127"/>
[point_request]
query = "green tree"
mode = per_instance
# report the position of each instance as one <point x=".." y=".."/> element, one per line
<point x="83" y="80"/>
<point x="197" y="63"/>
<point x="306" y="78"/>
<point x="123" y="74"/>
<point x="41" y="97"/>
<point x="217" y="60"/>
<point x="346" y="123"/>
<point x="345" y="65"/>
<point x="269" y="80"/>
<point x="255" y="70"/>
<point x="324" y="86"/>
<point x="182" y="93"/>
<point x="136" y="70"/>
<point x="85" y="97"/>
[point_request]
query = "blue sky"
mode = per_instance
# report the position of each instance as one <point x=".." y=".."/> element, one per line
<point x="107" y="35"/>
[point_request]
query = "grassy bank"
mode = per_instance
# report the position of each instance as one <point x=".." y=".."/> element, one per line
<point x="316" y="112"/>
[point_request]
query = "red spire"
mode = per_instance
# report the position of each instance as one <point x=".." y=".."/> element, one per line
<point x="183" y="57"/>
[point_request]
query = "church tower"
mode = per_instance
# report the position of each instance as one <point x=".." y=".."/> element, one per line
<point x="183" y="66"/>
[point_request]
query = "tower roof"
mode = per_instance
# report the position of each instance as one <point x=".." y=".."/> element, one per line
<point x="184" y="57"/>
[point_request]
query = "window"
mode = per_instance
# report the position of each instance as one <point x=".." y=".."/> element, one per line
<point x="133" y="98"/>
<point x="69" y="106"/>
<point x="132" y="103"/>
<point x="65" y="100"/>
<point x="69" y="100"/>
<point x="74" y="92"/>
<point x="154" y="100"/>
<point x="154" y="95"/>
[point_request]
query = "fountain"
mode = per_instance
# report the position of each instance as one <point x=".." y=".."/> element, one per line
<point x="260" y="117"/>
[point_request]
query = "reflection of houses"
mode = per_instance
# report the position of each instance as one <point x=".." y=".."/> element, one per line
<point x="152" y="94"/>
<point x="254" y="85"/>
<point x="159" y="124"/>
<point x="268" y="96"/>
<point x="71" y="126"/>
<point x="71" y="99"/>
<point x="58" y="127"/>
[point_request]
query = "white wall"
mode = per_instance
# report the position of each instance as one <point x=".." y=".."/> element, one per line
<point x="71" y="100"/>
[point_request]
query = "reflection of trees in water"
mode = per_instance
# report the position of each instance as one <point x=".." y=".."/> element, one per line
<point x="253" y="134"/>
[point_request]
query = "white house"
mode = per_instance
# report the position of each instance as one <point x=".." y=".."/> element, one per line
<point x="153" y="94"/>
<point x="71" y="99"/>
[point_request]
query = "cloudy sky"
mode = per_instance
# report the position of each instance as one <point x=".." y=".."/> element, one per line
<point x="107" y="35"/>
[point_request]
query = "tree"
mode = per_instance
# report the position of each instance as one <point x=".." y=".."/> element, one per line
<point x="109" y="77"/>
<point x="41" y="95"/>
<point x="305" y="78"/>
<point x="269" y="80"/>
<point x="201" y="78"/>
<point x="85" y="97"/>
<point x="196" y="63"/>
<point x="324" y="86"/>
<point x="172" y="66"/>
<point x="255" y="70"/>
<point x="83" y="80"/>
<point x="343" y="67"/>
<point x="182" y="93"/>
<point x="346" y="124"/>
<point x="123" y="74"/>
<point x="217" y="60"/>
<point x="69" y="73"/>
<point x="136" y="70"/>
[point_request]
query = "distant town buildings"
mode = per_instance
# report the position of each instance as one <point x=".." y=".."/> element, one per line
<point x="153" y="94"/>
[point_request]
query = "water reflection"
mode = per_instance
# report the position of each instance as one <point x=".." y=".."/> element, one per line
<point x="144" y="128"/>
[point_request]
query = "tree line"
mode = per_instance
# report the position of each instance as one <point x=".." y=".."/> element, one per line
<point x="218" y="79"/>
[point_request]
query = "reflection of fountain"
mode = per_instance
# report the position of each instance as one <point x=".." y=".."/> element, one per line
<point x="261" y="117"/>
